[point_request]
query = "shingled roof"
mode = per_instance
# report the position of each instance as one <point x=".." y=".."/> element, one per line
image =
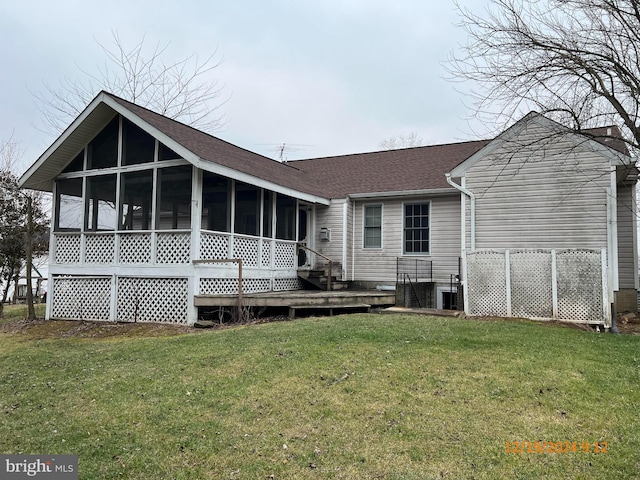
<point x="418" y="169"/>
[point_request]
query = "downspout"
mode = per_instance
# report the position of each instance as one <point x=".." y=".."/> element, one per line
<point x="473" y="209"/>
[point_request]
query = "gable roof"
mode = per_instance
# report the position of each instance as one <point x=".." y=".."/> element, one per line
<point x="601" y="140"/>
<point x="201" y="149"/>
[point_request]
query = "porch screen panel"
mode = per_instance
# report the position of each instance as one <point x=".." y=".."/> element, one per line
<point x="174" y="198"/>
<point x="69" y="208"/>
<point x="247" y="216"/>
<point x="285" y="217"/>
<point x="216" y="207"/>
<point x="101" y="203"/>
<point x="135" y="200"/>
<point x="137" y="145"/>
<point x="102" y="151"/>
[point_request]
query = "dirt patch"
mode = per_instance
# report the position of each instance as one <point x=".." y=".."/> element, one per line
<point x="41" y="329"/>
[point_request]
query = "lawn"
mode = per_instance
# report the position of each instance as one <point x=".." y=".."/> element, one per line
<point x="348" y="397"/>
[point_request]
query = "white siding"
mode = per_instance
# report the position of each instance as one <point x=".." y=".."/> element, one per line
<point x="379" y="264"/>
<point x="330" y="217"/>
<point x="549" y="194"/>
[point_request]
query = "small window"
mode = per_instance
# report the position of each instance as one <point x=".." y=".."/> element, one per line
<point x="416" y="228"/>
<point x="373" y="226"/>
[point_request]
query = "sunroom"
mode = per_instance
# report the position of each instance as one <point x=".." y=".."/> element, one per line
<point x="139" y="230"/>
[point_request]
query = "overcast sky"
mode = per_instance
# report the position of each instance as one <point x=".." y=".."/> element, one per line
<point x="325" y="77"/>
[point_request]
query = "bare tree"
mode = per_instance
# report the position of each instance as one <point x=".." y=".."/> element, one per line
<point x="182" y="90"/>
<point x="402" y="141"/>
<point x="23" y="223"/>
<point x="576" y="61"/>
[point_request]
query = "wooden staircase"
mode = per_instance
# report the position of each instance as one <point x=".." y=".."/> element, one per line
<point x="319" y="278"/>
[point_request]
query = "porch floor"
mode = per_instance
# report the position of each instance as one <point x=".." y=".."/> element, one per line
<point x="301" y="299"/>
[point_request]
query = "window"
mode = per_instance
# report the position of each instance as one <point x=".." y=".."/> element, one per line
<point x="267" y="213"/>
<point x="101" y="203"/>
<point x="416" y="228"/>
<point x="76" y="165"/>
<point x="174" y="198"/>
<point x="373" y="226"/>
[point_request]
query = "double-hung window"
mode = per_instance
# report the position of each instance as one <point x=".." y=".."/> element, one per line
<point x="416" y="228"/>
<point x="373" y="226"/>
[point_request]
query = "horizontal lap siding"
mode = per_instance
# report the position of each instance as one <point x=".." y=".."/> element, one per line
<point x="330" y="217"/>
<point x="380" y="264"/>
<point x="550" y="194"/>
<point x="626" y="226"/>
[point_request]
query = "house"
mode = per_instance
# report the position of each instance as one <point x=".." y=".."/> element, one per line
<point x="150" y="215"/>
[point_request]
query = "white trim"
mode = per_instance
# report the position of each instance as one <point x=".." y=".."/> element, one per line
<point x="345" y="211"/>
<point x="402" y="193"/>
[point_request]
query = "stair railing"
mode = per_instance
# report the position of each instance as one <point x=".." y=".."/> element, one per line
<point x="330" y="262"/>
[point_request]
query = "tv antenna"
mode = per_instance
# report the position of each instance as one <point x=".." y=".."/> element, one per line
<point x="281" y="150"/>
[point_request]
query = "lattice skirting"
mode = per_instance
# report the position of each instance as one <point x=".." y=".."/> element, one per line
<point x="152" y="299"/>
<point x="81" y="298"/>
<point x="229" y="286"/>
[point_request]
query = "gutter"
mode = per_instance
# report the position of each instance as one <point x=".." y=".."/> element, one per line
<point x="473" y="211"/>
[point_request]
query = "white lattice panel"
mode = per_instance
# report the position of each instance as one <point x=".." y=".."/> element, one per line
<point x="531" y="284"/>
<point x="81" y="298"/>
<point x="174" y="247"/>
<point x="67" y="248"/>
<point x="246" y="249"/>
<point x="486" y="284"/>
<point x="229" y="286"/>
<point x="213" y="246"/>
<point x="265" y="260"/>
<point x="152" y="300"/>
<point x="100" y="248"/>
<point x="135" y="248"/>
<point x="285" y="255"/>
<point x="580" y="286"/>
<point x="280" y="284"/>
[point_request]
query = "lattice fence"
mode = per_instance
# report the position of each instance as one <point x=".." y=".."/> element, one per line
<point x="173" y="247"/>
<point x="135" y="248"/>
<point x="100" y="248"/>
<point x="486" y="284"/>
<point x="152" y="299"/>
<point x="563" y="284"/>
<point x="81" y="298"/>
<point x="265" y="260"/>
<point x="579" y="284"/>
<point x="67" y="248"/>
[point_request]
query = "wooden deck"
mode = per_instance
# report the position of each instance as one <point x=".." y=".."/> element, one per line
<point x="299" y="299"/>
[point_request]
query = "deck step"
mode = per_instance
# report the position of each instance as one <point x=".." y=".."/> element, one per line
<point x="331" y="308"/>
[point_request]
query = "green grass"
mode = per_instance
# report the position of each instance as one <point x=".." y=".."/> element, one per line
<point x="12" y="312"/>
<point x="359" y="396"/>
